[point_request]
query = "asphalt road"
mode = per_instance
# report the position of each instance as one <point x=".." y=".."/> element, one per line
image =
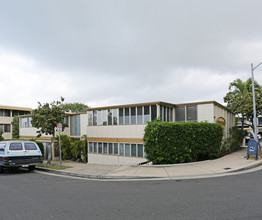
<point x="25" y="195"/>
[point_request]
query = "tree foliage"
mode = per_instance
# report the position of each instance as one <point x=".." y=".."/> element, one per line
<point x="239" y="99"/>
<point x="74" y="107"/>
<point x="1" y="134"/>
<point x="15" y="128"/>
<point x="47" y="116"/>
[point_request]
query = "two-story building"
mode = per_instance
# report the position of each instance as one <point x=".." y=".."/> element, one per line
<point x="7" y="113"/>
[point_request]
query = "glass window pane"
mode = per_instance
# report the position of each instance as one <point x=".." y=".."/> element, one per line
<point x="90" y="118"/>
<point x="167" y="114"/>
<point x="72" y="125"/>
<point x="133" y="115"/>
<point x="127" y="120"/>
<point x="133" y="150"/>
<point x="78" y="125"/>
<point x="146" y="114"/>
<point x="164" y="116"/>
<point x="171" y="114"/>
<point x="116" y="148"/>
<point x="95" y="147"/>
<point x="139" y="115"/>
<point x="140" y="150"/>
<point x="122" y="149"/>
<point x="104" y="117"/>
<point x="110" y="150"/>
<point x="110" y="116"/>
<point x="30" y="146"/>
<point x="127" y="149"/>
<point x="100" y="148"/>
<point x="15" y="146"/>
<point x="7" y="128"/>
<point x="115" y="117"/>
<point x="94" y="117"/>
<point x="121" y="116"/>
<point x="180" y="113"/>
<point x="90" y="147"/>
<point x="153" y="112"/>
<point x="99" y="117"/>
<point x="105" y="148"/>
<point x="191" y="113"/>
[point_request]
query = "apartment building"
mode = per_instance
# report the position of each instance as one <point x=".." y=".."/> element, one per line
<point x="115" y="133"/>
<point x="7" y="114"/>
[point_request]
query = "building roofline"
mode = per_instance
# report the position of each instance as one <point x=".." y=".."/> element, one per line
<point x="15" y="108"/>
<point x="130" y="105"/>
<point x="160" y="103"/>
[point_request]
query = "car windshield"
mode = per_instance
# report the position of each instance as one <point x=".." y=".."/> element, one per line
<point x="2" y="147"/>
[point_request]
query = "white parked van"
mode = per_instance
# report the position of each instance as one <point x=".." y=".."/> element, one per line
<point x="19" y="154"/>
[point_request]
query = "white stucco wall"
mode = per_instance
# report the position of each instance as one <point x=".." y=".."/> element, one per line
<point x="205" y="112"/>
<point x="116" y="131"/>
<point x="114" y="159"/>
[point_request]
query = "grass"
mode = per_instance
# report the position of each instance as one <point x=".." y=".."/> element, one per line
<point x="53" y="167"/>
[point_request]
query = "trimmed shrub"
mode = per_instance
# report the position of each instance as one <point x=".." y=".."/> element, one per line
<point x="172" y="142"/>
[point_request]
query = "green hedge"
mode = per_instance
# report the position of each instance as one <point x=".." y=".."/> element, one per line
<point x="172" y="142"/>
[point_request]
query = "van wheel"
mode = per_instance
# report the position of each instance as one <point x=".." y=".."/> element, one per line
<point x="31" y="168"/>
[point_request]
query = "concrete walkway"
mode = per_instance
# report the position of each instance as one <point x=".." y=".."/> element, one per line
<point x="230" y="163"/>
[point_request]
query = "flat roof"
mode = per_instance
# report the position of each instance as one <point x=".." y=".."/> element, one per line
<point x="160" y="103"/>
<point x="15" y="108"/>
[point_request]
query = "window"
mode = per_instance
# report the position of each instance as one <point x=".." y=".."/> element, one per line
<point x="127" y="120"/>
<point x="75" y="125"/>
<point x="90" y="118"/>
<point x="90" y="147"/>
<point x="100" y="148"/>
<point x="110" y="117"/>
<point x="133" y="150"/>
<point x="139" y="115"/>
<point x="5" y="112"/>
<point x="105" y="148"/>
<point x="133" y="115"/>
<point x="110" y="148"/>
<point x="121" y="116"/>
<point x="153" y="112"/>
<point x="15" y="146"/>
<point x="180" y="113"/>
<point x="25" y="122"/>
<point x="94" y="117"/>
<point x="127" y="149"/>
<point x="140" y="150"/>
<point x="2" y="147"/>
<point x="122" y="149"/>
<point x="30" y="146"/>
<point x="115" y="148"/>
<point x="191" y="113"/>
<point x="99" y="117"/>
<point x="146" y="114"/>
<point x="115" y="121"/>
<point x="95" y="147"/>
<point x="104" y="117"/>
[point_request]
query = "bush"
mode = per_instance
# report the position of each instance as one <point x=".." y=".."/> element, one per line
<point x="41" y="146"/>
<point x="172" y="142"/>
<point x="234" y="140"/>
<point x="66" y="146"/>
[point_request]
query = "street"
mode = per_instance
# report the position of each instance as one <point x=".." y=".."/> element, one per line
<point x="26" y="195"/>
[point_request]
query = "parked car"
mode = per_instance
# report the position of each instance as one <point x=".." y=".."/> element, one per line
<point x="19" y="154"/>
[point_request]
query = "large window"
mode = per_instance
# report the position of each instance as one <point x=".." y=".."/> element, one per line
<point x="5" y="112"/>
<point x="127" y="116"/>
<point x="25" y="122"/>
<point x="121" y="149"/>
<point x="139" y="115"/>
<point x="75" y="125"/>
<point x="186" y="113"/>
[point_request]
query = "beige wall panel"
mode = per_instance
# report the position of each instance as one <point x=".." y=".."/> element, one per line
<point x="7" y="136"/>
<point x="116" y="131"/>
<point x="83" y="123"/>
<point x="32" y="132"/>
<point x="114" y="160"/>
<point x="5" y="120"/>
<point x="205" y="112"/>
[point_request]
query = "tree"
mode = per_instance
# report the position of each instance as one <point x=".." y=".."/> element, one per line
<point x="74" y="107"/>
<point x="46" y="117"/>
<point x="1" y="134"/>
<point x="240" y="101"/>
<point x="15" y="128"/>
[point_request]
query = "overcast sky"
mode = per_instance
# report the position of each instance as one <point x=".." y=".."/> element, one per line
<point x="110" y="52"/>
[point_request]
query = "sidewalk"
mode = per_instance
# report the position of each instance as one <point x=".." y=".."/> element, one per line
<point x="230" y="163"/>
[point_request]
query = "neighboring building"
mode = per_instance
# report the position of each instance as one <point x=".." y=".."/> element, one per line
<point x="7" y="114"/>
<point x="115" y="133"/>
<point x="76" y="122"/>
